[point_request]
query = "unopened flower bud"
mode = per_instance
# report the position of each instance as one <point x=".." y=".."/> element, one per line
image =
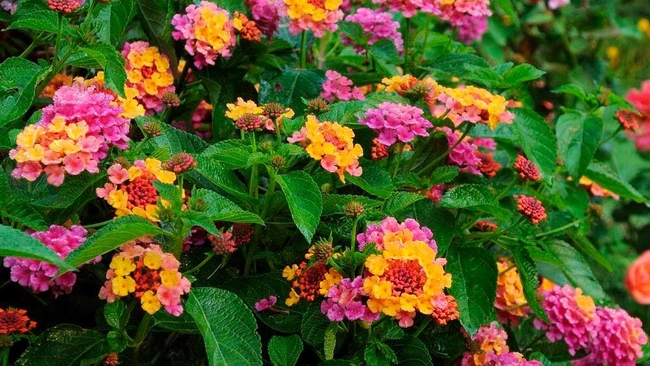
<point x="171" y="99"/>
<point x="317" y="106"/>
<point x="250" y="122"/>
<point x="180" y="163"/>
<point x="353" y="209"/>
<point x="277" y="162"/>
<point x="153" y="129"/>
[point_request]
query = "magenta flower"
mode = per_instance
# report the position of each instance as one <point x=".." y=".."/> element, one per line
<point x="390" y="226"/>
<point x="338" y="87"/>
<point x="266" y="14"/>
<point x="343" y="302"/>
<point x="396" y="122"/>
<point x="37" y="275"/>
<point x="376" y="24"/>
<point x="267" y="303"/>
<point x="464" y="154"/>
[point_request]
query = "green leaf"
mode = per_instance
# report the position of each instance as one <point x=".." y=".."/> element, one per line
<point x="314" y="324"/>
<point x="473" y="197"/>
<point x="220" y="208"/>
<point x="353" y="30"/>
<point x="113" y="64"/>
<point x="334" y="204"/>
<point x="529" y="279"/>
<point x="232" y="153"/>
<point x="214" y="175"/>
<point x="117" y="341"/>
<point x="605" y="177"/>
<point x="576" y="268"/>
<point x="537" y="140"/>
<point x="571" y="89"/>
<point x="444" y="174"/>
<point x="399" y="201"/>
<point x="182" y="324"/>
<point x="227" y="325"/>
<point x="284" y="351"/>
<point x="109" y="20"/>
<point x="75" y="191"/>
<point x="578" y="137"/>
<point x="35" y="15"/>
<point x="587" y="248"/>
<point x="509" y="9"/>
<point x="115" y="314"/>
<point x="15" y="243"/>
<point x="64" y="345"/>
<point x="156" y="21"/>
<point x="304" y="199"/>
<point x="123" y="229"/>
<point x="474" y="282"/>
<point x="171" y="194"/>
<point x="289" y="87"/>
<point x="484" y="76"/>
<point x="384" y="50"/>
<point x="521" y="73"/>
<point x="329" y="343"/>
<point x="457" y="63"/>
<point x="411" y="351"/>
<point x="18" y="80"/>
<point x="374" y="179"/>
<point x="252" y="289"/>
<point x="176" y="140"/>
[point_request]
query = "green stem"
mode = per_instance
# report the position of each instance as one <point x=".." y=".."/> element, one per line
<point x="31" y="47"/>
<point x="559" y="229"/>
<point x="59" y="35"/>
<point x="508" y="188"/>
<point x="249" y="257"/>
<point x="140" y="335"/>
<point x="272" y="183"/>
<point x="422" y="326"/>
<point x="612" y="135"/>
<point x="400" y="155"/>
<point x="426" y="37"/>
<point x="5" y="356"/>
<point x="198" y="266"/>
<point x="353" y="238"/>
<point x="451" y="148"/>
<point x="98" y="224"/>
<point x="303" y="50"/>
<point x="407" y="42"/>
<point x="253" y="188"/>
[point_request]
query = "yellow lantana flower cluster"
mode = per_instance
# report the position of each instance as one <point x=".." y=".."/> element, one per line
<point x="314" y="15"/>
<point x="130" y="190"/>
<point x="130" y="105"/>
<point x="247" y="115"/>
<point x="510" y="299"/>
<point x="404" y="279"/>
<point x="332" y="145"/>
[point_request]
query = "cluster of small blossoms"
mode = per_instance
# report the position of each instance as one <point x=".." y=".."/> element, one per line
<point x="395" y="122"/>
<point x="65" y="6"/>
<point x="436" y="192"/>
<point x="485" y="226"/>
<point x="338" y="87"/>
<point x="248" y="116"/>
<point x="526" y="169"/>
<point x="406" y="278"/>
<point x="130" y="190"/>
<point x="148" y="273"/>
<point x="390" y="230"/>
<point x="641" y="101"/>
<point x="309" y="282"/>
<point x="317" y="16"/>
<point x="472" y="104"/>
<point x="37" y="275"/>
<point x="207" y="30"/>
<point x="344" y="302"/>
<point x="180" y="163"/>
<point x="469" y="17"/>
<point x="246" y="28"/>
<point x="267" y="303"/>
<point x="149" y="73"/>
<point x="408" y="8"/>
<point x="15" y="322"/>
<point x="9" y="6"/>
<point x="510" y="300"/>
<point x="489" y="347"/>
<point x="55" y="84"/>
<point x="608" y="336"/>
<point x="266" y="14"/>
<point x="629" y="120"/>
<point x="532" y="208"/>
<point x="464" y="155"/>
<point x="595" y="189"/>
<point x="378" y="150"/>
<point x="487" y="165"/>
<point x="376" y="24"/>
<point x="229" y="241"/>
<point x="131" y="107"/>
<point x="411" y="87"/>
<point x="332" y="145"/>
<point x="73" y="135"/>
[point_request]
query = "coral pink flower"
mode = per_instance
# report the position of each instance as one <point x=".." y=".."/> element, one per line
<point x="531" y="208"/>
<point x="637" y="279"/>
<point x="343" y="301"/>
<point x="396" y="122"/>
<point x="338" y="87"/>
<point x="555" y="4"/>
<point x="267" y="303"/>
<point x="65" y="6"/>
<point x="266" y="14"/>
<point x="390" y="229"/>
<point x="641" y="101"/>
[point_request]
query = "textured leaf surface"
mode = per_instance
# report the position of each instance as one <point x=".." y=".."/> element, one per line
<point x="35" y="15"/>
<point x="231" y="153"/>
<point x="304" y="199"/>
<point x="578" y="137"/>
<point x="113" y="64"/>
<point x="473" y="197"/>
<point x="374" y="180"/>
<point x="399" y="201"/>
<point x="314" y="324"/>
<point x="576" y="268"/>
<point x="604" y="176"/>
<point x="18" y="80"/>
<point x="537" y="140"/>
<point x="227" y="325"/>
<point x="290" y="86"/>
<point x="109" y="20"/>
<point x="284" y="351"/>
<point x="220" y="208"/>
<point x="411" y="352"/>
<point x="444" y="174"/>
<point x="64" y="345"/>
<point x="474" y="282"/>
<point x="529" y="279"/>
<point x="15" y="243"/>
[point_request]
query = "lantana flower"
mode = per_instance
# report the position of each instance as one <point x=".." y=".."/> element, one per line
<point x="510" y="300"/>
<point x="338" y="87"/>
<point x="489" y="347"/>
<point x="148" y="273"/>
<point x="395" y="122"/>
<point x="317" y="16"/>
<point x="391" y="230"/>
<point x="376" y="25"/>
<point x="309" y="282"/>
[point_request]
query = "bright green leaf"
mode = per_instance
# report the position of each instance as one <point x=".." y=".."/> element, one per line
<point x="605" y="177"/>
<point x="284" y="351"/>
<point x="15" y="243"/>
<point x="578" y="137"/>
<point x="374" y="179"/>
<point x="537" y="140"/>
<point x="304" y="199"/>
<point x="18" y="80"/>
<point x="576" y="268"/>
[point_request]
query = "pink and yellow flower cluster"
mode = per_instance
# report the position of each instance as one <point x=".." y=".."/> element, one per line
<point x="318" y="16"/>
<point x="248" y="116"/>
<point x="207" y="30"/>
<point x="73" y="135"/>
<point x="395" y="122"/>
<point x="489" y="347"/>
<point x="149" y="73"/>
<point x="131" y="191"/>
<point x="332" y="145"/>
<point x="391" y="230"/>
<point x="148" y="273"/>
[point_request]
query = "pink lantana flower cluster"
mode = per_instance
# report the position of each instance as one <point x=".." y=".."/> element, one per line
<point x="390" y="229"/>
<point x="490" y="348"/>
<point x="376" y="24"/>
<point x="37" y="275"/>
<point x="148" y="273"/>
<point x="343" y="302"/>
<point x="338" y="87"/>
<point x="396" y="122"/>
<point x="556" y="4"/>
<point x="149" y="72"/>
<point x="266" y="14"/>
<point x="73" y="135"/>
<point x="464" y="155"/>
<point x="207" y="31"/>
<point x="608" y="336"/>
<point x="469" y="17"/>
<point x="641" y="101"/>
